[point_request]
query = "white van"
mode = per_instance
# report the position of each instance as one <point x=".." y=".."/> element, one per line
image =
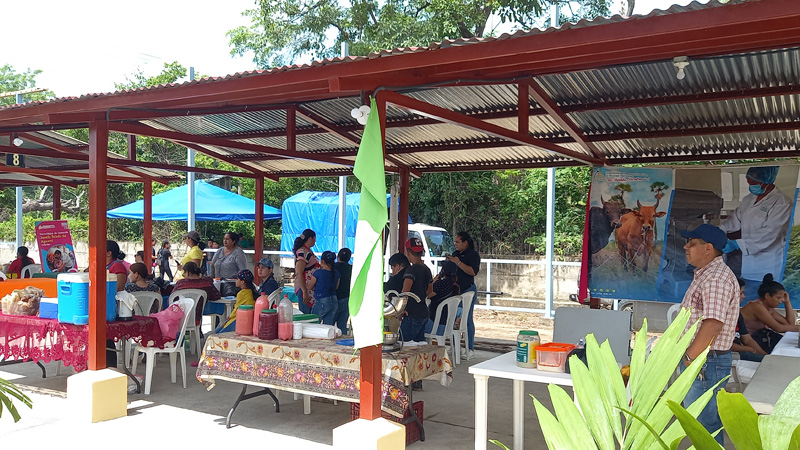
<point x="437" y="243"/>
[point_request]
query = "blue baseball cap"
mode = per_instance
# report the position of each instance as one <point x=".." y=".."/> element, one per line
<point x="266" y="262"/>
<point x="709" y="233"/>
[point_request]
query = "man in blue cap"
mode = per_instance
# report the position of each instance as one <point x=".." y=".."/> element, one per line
<point x="713" y="298"/>
<point x="265" y="269"/>
<point x="759" y="227"/>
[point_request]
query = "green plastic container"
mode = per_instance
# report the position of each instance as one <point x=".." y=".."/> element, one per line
<point x="305" y="318"/>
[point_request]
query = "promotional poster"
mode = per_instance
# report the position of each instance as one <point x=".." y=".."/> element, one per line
<point x="632" y="259"/>
<point x="55" y="246"/>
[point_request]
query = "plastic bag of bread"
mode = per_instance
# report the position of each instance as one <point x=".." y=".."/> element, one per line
<point x="22" y="302"/>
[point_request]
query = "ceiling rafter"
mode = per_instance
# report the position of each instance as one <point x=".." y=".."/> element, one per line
<point x="432" y="111"/>
<point x="196" y="139"/>
<point x="541" y="97"/>
<point x="65" y="172"/>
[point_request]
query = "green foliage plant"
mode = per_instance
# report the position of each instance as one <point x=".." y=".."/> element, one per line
<point x="613" y="417"/>
<point x="746" y="429"/>
<point x="8" y="392"/>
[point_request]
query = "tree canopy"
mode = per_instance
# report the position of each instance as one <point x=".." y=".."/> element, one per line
<point x="285" y="31"/>
<point x="11" y="81"/>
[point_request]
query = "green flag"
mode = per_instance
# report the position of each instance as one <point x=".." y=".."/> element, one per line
<point x="366" y="289"/>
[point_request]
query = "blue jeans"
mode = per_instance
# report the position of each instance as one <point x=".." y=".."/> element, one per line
<point x="429" y="327"/>
<point x="470" y="321"/>
<point x="325" y="308"/>
<point x="342" y="314"/>
<point x="305" y="309"/>
<point x="751" y="356"/>
<point x="413" y="329"/>
<point x="717" y="368"/>
<point x="223" y="329"/>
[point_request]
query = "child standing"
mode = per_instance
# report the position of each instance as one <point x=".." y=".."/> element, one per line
<point x="164" y="256"/>
<point x="244" y="281"/>
<point x="323" y="283"/>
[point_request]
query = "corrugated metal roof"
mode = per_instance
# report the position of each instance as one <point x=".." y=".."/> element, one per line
<point x="733" y="103"/>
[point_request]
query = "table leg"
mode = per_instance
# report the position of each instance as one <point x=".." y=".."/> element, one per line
<point x="519" y="414"/>
<point x="306" y="404"/>
<point x="481" y="405"/>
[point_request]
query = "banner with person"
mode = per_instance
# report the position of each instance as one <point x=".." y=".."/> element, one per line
<point x="55" y="246"/>
<point x="754" y="205"/>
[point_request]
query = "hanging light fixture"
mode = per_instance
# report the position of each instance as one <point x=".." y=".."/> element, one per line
<point x="360" y="114"/>
<point x="681" y="63"/>
<point x="18" y="142"/>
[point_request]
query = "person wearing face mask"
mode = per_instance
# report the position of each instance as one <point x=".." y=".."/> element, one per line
<point x="758" y="227"/>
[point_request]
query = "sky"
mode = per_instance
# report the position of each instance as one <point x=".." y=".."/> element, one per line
<point x="85" y="46"/>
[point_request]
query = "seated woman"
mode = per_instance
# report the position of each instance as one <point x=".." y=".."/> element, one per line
<point x="22" y="260"/>
<point x="140" y="280"/>
<point x="244" y="281"/>
<point x="445" y="285"/>
<point x="764" y="322"/>
<point x="194" y="279"/>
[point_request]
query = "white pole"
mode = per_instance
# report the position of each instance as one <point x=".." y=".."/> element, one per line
<point x="18" y="190"/>
<point x="343" y="190"/>
<point x="190" y="177"/>
<point x="550" y="235"/>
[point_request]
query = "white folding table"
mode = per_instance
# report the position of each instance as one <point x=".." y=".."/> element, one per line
<point x="505" y="366"/>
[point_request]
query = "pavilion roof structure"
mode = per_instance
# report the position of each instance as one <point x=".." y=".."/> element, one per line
<point x="51" y="157"/>
<point x="599" y="92"/>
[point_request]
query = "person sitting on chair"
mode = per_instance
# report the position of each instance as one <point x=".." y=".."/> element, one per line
<point x="743" y="343"/>
<point x="18" y="264"/>
<point x="765" y="323"/>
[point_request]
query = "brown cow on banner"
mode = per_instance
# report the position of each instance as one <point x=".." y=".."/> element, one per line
<point x="635" y="235"/>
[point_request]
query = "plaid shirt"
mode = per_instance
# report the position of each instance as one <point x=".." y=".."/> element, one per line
<point x="714" y="294"/>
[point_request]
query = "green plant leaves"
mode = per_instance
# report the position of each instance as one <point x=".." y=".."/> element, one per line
<point x="567" y="412"/>
<point x="739" y="419"/>
<point x="699" y="436"/>
<point x="7" y="389"/>
<point x="555" y="435"/>
<point x="592" y="405"/>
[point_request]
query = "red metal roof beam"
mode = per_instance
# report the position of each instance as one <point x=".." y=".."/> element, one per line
<point x="564" y="121"/>
<point x="184" y="137"/>
<point x="444" y="115"/>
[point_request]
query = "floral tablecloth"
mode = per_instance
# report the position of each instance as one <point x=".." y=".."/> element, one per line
<point x="319" y="367"/>
<point x="36" y="339"/>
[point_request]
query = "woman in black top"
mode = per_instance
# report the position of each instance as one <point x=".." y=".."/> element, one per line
<point x="468" y="262"/>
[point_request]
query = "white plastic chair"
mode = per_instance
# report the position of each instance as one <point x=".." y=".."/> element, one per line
<point x="441" y="339"/>
<point x="274" y="298"/>
<point x="29" y="270"/>
<point x="145" y="301"/>
<point x="461" y="332"/>
<point x="672" y="313"/>
<point x="199" y="296"/>
<point x="173" y="348"/>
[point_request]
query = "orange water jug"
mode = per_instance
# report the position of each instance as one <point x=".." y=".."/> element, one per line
<point x="262" y="303"/>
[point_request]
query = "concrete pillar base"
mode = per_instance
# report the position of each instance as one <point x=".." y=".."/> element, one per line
<point x="362" y="434"/>
<point x="97" y="395"/>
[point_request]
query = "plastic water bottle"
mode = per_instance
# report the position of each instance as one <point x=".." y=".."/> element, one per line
<point x="285" y="321"/>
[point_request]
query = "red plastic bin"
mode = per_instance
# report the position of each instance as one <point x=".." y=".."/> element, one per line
<point x="412" y="429"/>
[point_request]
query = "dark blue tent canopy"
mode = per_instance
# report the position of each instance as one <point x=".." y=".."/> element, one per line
<point x="211" y="203"/>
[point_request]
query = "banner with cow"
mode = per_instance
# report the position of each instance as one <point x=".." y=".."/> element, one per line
<point x="635" y="216"/>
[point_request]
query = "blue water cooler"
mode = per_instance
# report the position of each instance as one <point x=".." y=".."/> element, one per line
<point x="73" y="298"/>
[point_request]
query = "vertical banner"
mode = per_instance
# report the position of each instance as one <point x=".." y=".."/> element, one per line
<point x="627" y="225"/>
<point x="55" y="246"/>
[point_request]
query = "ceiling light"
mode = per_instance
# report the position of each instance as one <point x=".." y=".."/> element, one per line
<point x="681" y="63"/>
<point x="18" y="142"/>
<point x="360" y="114"/>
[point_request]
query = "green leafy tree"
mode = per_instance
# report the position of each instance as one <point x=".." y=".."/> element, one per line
<point x="658" y="189"/>
<point x="283" y="31"/>
<point x="11" y="81"/>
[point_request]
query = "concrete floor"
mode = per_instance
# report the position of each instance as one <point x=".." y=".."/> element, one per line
<point x="172" y="414"/>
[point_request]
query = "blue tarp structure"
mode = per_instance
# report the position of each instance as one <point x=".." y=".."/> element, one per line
<point x="319" y="211"/>
<point x="210" y="203"/>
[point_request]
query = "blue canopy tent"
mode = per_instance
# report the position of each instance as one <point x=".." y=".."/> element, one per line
<point x="211" y="203"/>
<point x="319" y="211"/>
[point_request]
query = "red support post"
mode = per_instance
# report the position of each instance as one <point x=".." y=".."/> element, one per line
<point x="371" y="376"/>
<point x="56" y="201"/>
<point x="148" y="224"/>
<point x="98" y="154"/>
<point x="259" y="237"/>
<point x="402" y="212"/>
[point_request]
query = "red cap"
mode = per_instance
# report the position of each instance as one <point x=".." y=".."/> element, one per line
<point x="414" y="244"/>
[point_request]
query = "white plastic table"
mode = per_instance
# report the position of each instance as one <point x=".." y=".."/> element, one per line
<point x="787" y="346"/>
<point x="770" y="380"/>
<point x="505" y="366"/>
